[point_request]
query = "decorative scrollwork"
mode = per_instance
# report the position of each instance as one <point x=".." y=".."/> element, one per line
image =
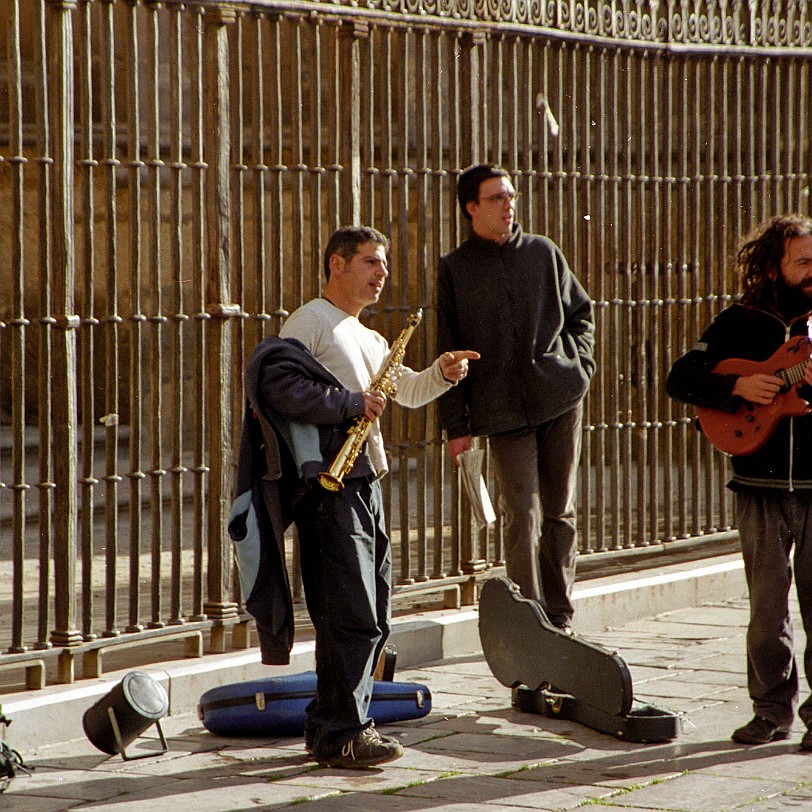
<point x="564" y="20"/>
<point x="606" y="13"/>
<point x="507" y="9"/>
<point x="550" y="19"/>
<point x="777" y="23"/>
<point x="620" y="24"/>
<point x="579" y="18"/>
<point x="465" y="8"/>
<point x="703" y="29"/>
<point x="634" y="24"/>
<point x="490" y="9"/>
<point x="535" y="12"/>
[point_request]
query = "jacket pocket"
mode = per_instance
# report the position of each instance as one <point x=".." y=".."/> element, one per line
<point x="558" y="375"/>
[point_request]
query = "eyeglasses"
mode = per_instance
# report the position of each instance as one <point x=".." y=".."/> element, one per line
<point x="502" y="197"/>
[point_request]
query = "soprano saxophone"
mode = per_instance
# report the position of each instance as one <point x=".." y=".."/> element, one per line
<point x="386" y="382"/>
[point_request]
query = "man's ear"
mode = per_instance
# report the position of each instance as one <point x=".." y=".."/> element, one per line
<point x="772" y="273"/>
<point x="336" y="263"/>
<point x="468" y="207"/>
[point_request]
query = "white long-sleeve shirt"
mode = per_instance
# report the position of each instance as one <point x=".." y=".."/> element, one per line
<point x="354" y="354"/>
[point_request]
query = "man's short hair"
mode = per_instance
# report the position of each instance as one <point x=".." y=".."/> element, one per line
<point x="345" y="242"/>
<point x="470" y="181"/>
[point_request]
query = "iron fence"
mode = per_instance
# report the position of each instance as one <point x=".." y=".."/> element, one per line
<point x="169" y="175"/>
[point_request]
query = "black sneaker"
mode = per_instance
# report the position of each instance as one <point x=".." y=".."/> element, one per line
<point x="806" y="741"/>
<point x="309" y="737"/>
<point x="760" y="731"/>
<point x="367" y="749"/>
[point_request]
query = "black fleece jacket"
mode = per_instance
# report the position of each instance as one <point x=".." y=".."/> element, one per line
<point x="521" y="307"/>
<point x="784" y="462"/>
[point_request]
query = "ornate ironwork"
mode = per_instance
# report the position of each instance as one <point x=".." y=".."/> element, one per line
<point x="761" y="23"/>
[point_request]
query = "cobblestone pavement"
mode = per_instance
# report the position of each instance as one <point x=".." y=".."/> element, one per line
<point x="474" y="752"/>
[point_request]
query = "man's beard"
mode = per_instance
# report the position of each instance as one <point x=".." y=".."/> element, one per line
<point x="793" y="300"/>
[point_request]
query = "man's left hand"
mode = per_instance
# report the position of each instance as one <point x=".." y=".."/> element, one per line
<point x="454" y="365"/>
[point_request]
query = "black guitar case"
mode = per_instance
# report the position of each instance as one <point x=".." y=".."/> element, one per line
<point x="559" y="675"/>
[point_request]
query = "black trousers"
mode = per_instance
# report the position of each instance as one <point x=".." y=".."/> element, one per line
<point x="537" y="470"/>
<point x="346" y="563"/>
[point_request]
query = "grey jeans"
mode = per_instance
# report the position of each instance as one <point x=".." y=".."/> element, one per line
<point x="776" y="537"/>
<point x="537" y="473"/>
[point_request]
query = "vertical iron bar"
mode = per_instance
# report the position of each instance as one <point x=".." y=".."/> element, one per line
<point x="415" y="278"/>
<point x="600" y="296"/>
<point x="63" y="406"/>
<point x="18" y="324"/>
<point x="585" y="216"/>
<point x="112" y="319"/>
<point x="90" y="323"/>
<point x="177" y="307"/>
<point x="157" y="319"/>
<point x="136" y="318"/>
<point x="219" y="340"/>
<point x="197" y="203"/>
<point x="615" y="304"/>
<point x="400" y="423"/>
<point x="641" y="227"/>
<point x="279" y="295"/>
<point x="317" y="170"/>
<point x="350" y="36"/>
<point x="309" y="284"/>
<point x="627" y="286"/>
<point x="46" y="484"/>
<point x="259" y="173"/>
<point x="439" y="94"/>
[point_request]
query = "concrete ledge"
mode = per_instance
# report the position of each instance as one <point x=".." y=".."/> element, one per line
<point x="54" y="714"/>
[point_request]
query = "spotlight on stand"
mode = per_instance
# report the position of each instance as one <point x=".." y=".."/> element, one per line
<point x="122" y="715"/>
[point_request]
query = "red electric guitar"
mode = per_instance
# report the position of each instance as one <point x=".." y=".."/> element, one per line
<point x="746" y="430"/>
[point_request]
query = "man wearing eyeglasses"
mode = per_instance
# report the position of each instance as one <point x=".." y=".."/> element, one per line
<point x="512" y="297"/>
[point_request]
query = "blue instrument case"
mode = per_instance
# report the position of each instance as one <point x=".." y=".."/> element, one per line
<point x="275" y="706"/>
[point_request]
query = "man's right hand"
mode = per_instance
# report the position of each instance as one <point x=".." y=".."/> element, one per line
<point x="375" y="403"/>
<point x="458" y="445"/>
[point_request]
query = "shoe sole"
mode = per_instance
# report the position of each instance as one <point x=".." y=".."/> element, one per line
<point x="778" y="736"/>
<point x="358" y="764"/>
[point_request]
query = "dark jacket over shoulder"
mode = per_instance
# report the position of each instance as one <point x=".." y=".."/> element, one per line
<point x="784" y="462"/>
<point x="296" y="420"/>
<point x="521" y="307"/>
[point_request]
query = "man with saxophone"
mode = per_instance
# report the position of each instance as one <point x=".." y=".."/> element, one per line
<point x="319" y="372"/>
<point x="512" y="296"/>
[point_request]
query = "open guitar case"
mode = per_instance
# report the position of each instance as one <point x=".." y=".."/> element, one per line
<point x="559" y="675"/>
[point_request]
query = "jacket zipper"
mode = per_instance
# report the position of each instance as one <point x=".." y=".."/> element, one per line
<point x="261" y="699"/>
<point x="787" y="336"/>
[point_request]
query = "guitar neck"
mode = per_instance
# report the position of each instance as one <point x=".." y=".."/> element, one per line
<point x="794" y="374"/>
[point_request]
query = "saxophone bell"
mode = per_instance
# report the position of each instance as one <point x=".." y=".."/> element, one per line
<point x="330" y="482"/>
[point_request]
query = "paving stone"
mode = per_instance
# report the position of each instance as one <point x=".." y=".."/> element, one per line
<point x="507" y="792"/>
<point x="701" y="792"/>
